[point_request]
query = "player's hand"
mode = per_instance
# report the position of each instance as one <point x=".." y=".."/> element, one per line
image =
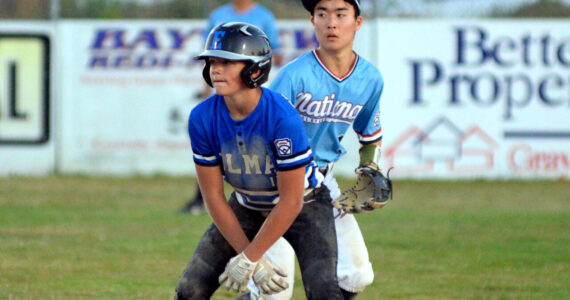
<point x="268" y="278"/>
<point x="238" y="272"/>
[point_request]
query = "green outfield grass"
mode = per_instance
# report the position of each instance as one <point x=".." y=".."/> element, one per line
<point x="120" y="238"/>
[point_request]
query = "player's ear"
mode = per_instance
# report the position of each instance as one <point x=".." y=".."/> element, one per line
<point x="256" y="74"/>
<point x="358" y="23"/>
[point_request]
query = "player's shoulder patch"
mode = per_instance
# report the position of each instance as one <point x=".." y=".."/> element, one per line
<point x="377" y="119"/>
<point x="284" y="147"/>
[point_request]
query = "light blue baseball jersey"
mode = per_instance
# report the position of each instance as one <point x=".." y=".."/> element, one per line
<point x="258" y="16"/>
<point x="252" y="150"/>
<point x="329" y="104"/>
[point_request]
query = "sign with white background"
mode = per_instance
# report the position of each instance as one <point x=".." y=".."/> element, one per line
<point x="462" y="98"/>
<point x="26" y="129"/>
<point x="474" y="98"/>
<point x="128" y="88"/>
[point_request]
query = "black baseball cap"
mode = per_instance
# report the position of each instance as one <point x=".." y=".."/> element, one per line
<point x="310" y="5"/>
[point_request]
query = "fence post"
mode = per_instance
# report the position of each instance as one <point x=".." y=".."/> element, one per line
<point x="54" y="10"/>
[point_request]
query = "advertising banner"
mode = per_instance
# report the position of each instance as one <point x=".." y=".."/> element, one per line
<point x="462" y="98"/>
<point x="127" y="90"/>
<point x="26" y="132"/>
<point x="476" y="98"/>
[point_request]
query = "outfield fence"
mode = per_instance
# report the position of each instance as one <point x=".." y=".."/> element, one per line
<point x="465" y="98"/>
<point x="283" y="9"/>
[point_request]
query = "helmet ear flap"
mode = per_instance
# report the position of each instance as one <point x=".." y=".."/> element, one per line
<point x="264" y="66"/>
<point x="246" y="74"/>
<point x="206" y="73"/>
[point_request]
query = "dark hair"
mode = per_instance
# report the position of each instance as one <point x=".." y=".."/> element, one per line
<point x="310" y="6"/>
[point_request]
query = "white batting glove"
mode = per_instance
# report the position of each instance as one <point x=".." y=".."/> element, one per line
<point x="268" y="278"/>
<point x="238" y="272"/>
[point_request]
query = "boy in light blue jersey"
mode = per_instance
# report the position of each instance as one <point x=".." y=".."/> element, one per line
<point x="330" y="104"/>
<point x="333" y="88"/>
<point x="254" y="139"/>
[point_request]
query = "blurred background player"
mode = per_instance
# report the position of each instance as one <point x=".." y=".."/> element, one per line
<point x="332" y="88"/>
<point x="250" y="12"/>
<point x="246" y="11"/>
<point x="259" y="146"/>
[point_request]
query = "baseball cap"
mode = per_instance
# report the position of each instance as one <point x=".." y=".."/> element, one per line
<point x="310" y="5"/>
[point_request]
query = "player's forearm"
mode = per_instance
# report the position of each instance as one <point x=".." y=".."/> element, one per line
<point x="276" y="224"/>
<point x="212" y="187"/>
<point x="227" y="222"/>
<point x="370" y="153"/>
<point x="290" y="185"/>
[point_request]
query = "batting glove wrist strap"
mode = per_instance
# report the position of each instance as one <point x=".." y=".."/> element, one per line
<point x="238" y="272"/>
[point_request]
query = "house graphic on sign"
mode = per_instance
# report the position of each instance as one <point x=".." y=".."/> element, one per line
<point x="442" y="142"/>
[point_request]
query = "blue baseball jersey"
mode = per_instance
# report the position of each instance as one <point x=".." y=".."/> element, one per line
<point x="329" y="104"/>
<point x="258" y="16"/>
<point x="251" y="151"/>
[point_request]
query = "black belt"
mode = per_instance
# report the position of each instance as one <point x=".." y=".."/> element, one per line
<point x="312" y="194"/>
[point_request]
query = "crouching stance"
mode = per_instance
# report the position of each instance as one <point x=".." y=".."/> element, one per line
<point x="255" y="140"/>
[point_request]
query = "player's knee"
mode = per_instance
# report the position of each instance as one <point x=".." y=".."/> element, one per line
<point x="357" y="280"/>
<point x="368" y="279"/>
<point x="320" y="282"/>
<point x="182" y="290"/>
<point x="180" y="296"/>
<point x="325" y="291"/>
<point x="187" y="294"/>
<point x="185" y="290"/>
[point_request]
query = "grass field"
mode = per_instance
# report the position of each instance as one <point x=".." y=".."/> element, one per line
<point x="120" y="238"/>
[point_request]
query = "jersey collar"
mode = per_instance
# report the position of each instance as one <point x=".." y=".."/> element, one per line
<point x="341" y="78"/>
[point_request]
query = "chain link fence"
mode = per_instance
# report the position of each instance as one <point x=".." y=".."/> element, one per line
<point x="283" y="9"/>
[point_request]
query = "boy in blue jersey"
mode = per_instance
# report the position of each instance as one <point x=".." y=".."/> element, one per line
<point x="334" y="88"/>
<point x="254" y="139"/>
<point x="246" y="11"/>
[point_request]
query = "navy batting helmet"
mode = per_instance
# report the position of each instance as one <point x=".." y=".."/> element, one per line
<point x="310" y="5"/>
<point x="241" y="42"/>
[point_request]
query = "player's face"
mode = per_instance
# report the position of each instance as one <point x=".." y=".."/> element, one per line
<point x="226" y="75"/>
<point x="335" y="24"/>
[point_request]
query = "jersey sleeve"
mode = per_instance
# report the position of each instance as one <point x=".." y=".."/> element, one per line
<point x="291" y="145"/>
<point x="283" y="85"/>
<point x="313" y="177"/>
<point x="367" y="124"/>
<point x="202" y="151"/>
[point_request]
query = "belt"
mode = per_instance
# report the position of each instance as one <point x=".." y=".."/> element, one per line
<point x="310" y="196"/>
